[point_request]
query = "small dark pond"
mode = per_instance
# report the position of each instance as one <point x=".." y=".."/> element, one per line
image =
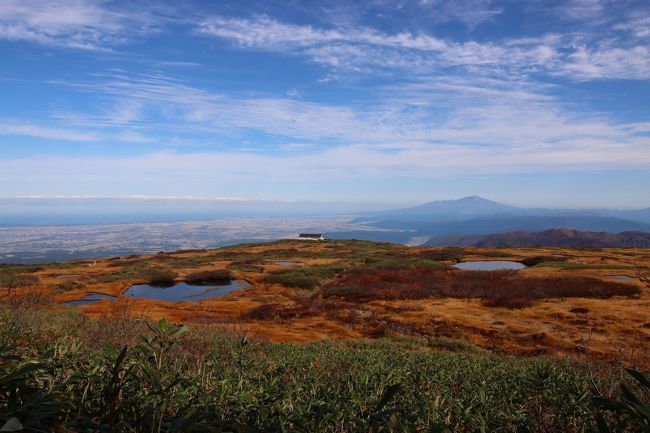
<point x="91" y="299"/>
<point x="183" y="292"/>
<point x="286" y="263"/>
<point x="620" y="277"/>
<point x="490" y="265"/>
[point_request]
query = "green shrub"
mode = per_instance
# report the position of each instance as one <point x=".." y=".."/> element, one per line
<point x="453" y="345"/>
<point x="139" y="271"/>
<point x="217" y="276"/>
<point x="401" y="262"/>
<point x="183" y="380"/>
<point x="160" y="277"/>
<point x="448" y="253"/>
<point x="133" y="271"/>
<point x="66" y="286"/>
<point x="630" y="412"/>
<point x="305" y="277"/>
<point x="26" y="403"/>
<point x="19" y="269"/>
<point x="251" y="265"/>
<point x="12" y="277"/>
<point x="16" y="281"/>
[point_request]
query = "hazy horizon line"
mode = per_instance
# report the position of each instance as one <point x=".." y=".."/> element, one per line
<point x="243" y="200"/>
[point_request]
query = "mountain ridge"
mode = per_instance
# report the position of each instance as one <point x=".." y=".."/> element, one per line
<point x="477" y="205"/>
<point x="475" y="215"/>
<point x="561" y="237"/>
<point x="468" y="207"/>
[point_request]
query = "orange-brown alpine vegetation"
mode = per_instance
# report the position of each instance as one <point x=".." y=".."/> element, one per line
<point x="565" y="303"/>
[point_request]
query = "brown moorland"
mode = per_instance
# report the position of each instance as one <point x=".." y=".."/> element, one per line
<point x="566" y="304"/>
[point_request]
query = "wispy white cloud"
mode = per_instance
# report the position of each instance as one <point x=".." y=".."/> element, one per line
<point x="444" y="126"/>
<point x="356" y="47"/>
<point x="420" y="116"/>
<point x="216" y="170"/>
<point x="266" y="32"/>
<point x="80" y="24"/>
<point x="85" y="135"/>
<point x="470" y="12"/>
<point x="506" y="129"/>
<point x="34" y="130"/>
<point x="134" y="137"/>
<point x="582" y="9"/>
<point x="410" y="98"/>
<point x="581" y="53"/>
<point x="124" y="197"/>
<point x="638" y="25"/>
<point x="602" y="62"/>
<point x="177" y="104"/>
<point x="364" y="49"/>
<point x="639" y="127"/>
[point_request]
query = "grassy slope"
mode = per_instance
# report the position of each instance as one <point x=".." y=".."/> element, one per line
<point x="209" y="379"/>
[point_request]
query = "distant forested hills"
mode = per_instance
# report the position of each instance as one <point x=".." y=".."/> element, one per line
<point x="549" y="238"/>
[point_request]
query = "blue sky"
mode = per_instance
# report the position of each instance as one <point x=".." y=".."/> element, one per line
<point x="530" y="102"/>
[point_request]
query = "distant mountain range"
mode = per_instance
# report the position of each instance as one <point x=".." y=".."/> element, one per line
<point x="447" y="210"/>
<point x="473" y="207"/>
<point x="478" y="216"/>
<point x="549" y="238"/>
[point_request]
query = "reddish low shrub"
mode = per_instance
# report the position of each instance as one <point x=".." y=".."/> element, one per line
<point x="267" y="311"/>
<point x="345" y="316"/>
<point x="447" y="253"/>
<point x="359" y="285"/>
<point x="375" y="330"/>
<point x="497" y="288"/>
<point x="301" y="307"/>
<point x="567" y="287"/>
<point x="510" y="302"/>
<point x="533" y="261"/>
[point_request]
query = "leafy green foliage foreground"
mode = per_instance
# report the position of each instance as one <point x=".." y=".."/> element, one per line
<point x="61" y="371"/>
